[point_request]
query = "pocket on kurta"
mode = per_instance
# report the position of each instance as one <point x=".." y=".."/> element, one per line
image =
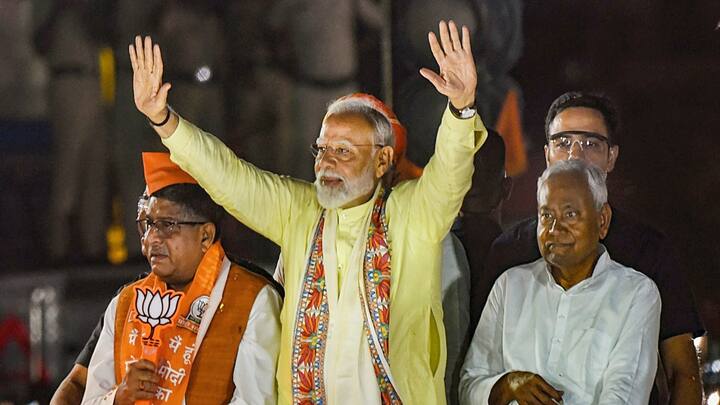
<point x="436" y="344"/>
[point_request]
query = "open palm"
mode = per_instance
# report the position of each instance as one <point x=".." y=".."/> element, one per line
<point x="458" y="77"/>
<point x="150" y="92"/>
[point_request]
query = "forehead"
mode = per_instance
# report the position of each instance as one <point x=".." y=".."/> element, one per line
<point x="566" y="189"/>
<point x="579" y="119"/>
<point x="164" y="208"/>
<point x="348" y="128"/>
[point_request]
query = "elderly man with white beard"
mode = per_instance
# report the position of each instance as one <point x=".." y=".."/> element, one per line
<point x="362" y="320"/>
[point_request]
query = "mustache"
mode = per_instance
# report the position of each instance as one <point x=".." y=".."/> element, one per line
<point x="328" y="173"/>
<point x="157" y="250"/>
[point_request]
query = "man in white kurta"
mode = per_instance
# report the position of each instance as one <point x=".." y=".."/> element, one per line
<point x="592" y="342"/>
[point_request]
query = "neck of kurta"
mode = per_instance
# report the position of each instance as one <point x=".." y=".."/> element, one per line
<point x="571" y="276"/>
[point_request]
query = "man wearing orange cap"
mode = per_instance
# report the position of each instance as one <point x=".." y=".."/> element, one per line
<point x="199" y="329"/>
<point x="362" y="323"/>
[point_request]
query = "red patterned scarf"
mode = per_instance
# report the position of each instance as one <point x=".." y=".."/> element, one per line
<point x="310" y="336"/>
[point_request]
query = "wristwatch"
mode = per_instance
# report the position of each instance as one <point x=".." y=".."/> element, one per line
<point x="465" y="113"/>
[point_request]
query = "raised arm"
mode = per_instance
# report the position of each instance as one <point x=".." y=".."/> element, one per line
<point x="438" y="194"/>
<point x="263" y="201"/>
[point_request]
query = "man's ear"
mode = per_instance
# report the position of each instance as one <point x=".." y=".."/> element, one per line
<point x="384" y="161"/>
<point x="604" y="220"/>
<point x="207" y="232"/>
<point x="613" y="153"/>
<point x="547" y="161"/>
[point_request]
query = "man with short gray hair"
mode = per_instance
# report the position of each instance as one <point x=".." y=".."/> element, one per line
<point x="362" y="322"/>
<point x="574" y="326"/>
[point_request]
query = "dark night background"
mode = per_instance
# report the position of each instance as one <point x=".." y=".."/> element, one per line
<point x="658" y="59"/>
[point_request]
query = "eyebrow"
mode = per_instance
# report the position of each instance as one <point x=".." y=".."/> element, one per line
<point x="588" y="134"/>
<point x="343" y="142"/>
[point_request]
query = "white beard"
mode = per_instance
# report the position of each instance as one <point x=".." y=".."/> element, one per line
<point x="348" y="190"/>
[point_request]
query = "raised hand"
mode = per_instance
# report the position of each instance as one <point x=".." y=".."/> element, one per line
<point x="458" y="78"/>
<point x="149" y="90"/>
<point x="525" y="388"/>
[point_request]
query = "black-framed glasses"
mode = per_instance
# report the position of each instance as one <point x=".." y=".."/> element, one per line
<point x="588" y="141"/>
<point x="165" y="227"/>
<point x="341" y="153"/>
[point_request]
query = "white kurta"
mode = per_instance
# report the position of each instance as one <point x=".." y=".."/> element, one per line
<point x="597" y="341"/>
<point x="255" y="363"/>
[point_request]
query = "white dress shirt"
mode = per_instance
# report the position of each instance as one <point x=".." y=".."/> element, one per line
<point x="596" y="341"/>
<point x="255" y="362"/>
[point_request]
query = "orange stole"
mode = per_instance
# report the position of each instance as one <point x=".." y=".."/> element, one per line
<point x="212" y="371"/>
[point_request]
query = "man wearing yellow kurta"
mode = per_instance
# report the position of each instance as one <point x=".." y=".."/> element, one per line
<point x="362" y="319"/>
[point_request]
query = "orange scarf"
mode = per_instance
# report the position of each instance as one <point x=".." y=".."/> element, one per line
<point x="162" y="326"/>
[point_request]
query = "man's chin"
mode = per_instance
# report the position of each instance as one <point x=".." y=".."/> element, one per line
<point x="330" y="203"/>
<point x="161" y="271"/>
<point x="330" y="197"/>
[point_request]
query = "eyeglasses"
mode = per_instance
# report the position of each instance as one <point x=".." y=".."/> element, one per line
<point x="165" y="228"/>
<point x="340" y="153"/>
<point x="589" y="141"/>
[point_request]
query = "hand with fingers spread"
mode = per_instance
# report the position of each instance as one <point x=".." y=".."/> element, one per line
<point x="525" y="388"/>
<point x="458" y="77"/>
<point x="149" y="90"/>
<point x="141" y="382"/>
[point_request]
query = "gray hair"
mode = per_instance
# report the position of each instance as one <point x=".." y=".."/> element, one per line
<point x="595" y="179"/>
<point x="383" y="134"/>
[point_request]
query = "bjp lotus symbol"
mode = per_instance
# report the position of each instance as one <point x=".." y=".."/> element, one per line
<point x="155" y="309"/>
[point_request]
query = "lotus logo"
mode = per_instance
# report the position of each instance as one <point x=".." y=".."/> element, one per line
<point x="155" y="309"/>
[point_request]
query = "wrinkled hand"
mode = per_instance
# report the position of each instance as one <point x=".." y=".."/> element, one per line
<point x="149" y="90"/>
<point x="140" y="382"/>
<point x="458" y="78"/>
<point x="525" y="388"/>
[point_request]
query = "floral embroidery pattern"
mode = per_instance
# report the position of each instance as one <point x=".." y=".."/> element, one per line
<point x="312" y="316"/>
<point x="376" y="276"/>
<point x="308" y="385"/>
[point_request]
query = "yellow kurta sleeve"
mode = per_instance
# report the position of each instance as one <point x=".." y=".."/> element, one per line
<point x="420" y="213"/>
<point x="259" y="199"/>
<point x="434" y="199"/>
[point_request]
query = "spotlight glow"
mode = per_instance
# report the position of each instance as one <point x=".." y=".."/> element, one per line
<point x="203" y="74"/>
<point x="713" y="399"/>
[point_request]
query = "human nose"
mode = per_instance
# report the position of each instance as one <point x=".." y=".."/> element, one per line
<point x="325" y="159"/>
<point x="576" y="151"/>
<point x="555" y="226"/>
<point x="152" y="233"/>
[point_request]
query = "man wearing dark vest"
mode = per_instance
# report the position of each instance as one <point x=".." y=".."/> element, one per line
<point x="199" y="329"/>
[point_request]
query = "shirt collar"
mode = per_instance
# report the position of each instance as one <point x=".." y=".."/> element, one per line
<point x="358" y="211"/>
<point x="601" y="266"/>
